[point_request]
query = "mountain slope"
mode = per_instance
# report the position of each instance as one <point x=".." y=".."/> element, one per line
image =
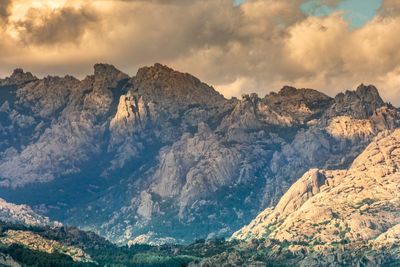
<point x="133" y="156"/>
<point x="22" y="214"/>
<point x="358" y="208"/>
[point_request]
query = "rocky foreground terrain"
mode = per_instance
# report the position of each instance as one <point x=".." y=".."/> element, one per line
<point x="331" y="218"/>
<point x="162" y="157"/>
<point x="345" y="217"/>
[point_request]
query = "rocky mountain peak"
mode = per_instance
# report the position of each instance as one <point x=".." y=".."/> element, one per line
<point x="301" y="104"/>
<point x="359" y="104"/>
<point x="164" y="84"/>
<point x="369" y="93"/>
<point x="253" y="97"/>
<point x="288" y="91"/>
<point x="108" y="71"/>
<point x="18" y="77"/>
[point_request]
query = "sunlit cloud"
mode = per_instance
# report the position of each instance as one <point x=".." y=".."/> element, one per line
<point x="259" y="45"/>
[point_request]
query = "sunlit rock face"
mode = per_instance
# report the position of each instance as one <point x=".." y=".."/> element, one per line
<point x="165" y="156"/>
<point x="339" y="213"/>
<point x="22" y="215"/>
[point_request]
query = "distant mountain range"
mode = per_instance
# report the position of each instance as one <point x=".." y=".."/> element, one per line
<point x="162" y="157"/>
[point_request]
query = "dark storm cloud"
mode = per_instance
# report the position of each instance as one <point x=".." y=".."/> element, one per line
<point x="56" y="26"/>
<point x="4" y="10"/>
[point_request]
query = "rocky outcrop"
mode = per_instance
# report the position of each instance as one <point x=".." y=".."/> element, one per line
<point x="337" y="137"/>
<point x="288" y="107"/>
<point x="352" y="206"/>
<point x="132" y="119"/>
<point x="36" y="242"/>
<point x="359" y="104"/>
<point x="7" y="260"/>
<point x="48" y="96"/>
<point x="18" y="77"/>
<point x="130" y="156"/>
<point x="22" y="214"/>
<point x="253" y="113"/>
<point x="171" y="87"/>
<point x="329" y="218"/>
<point x="302" y="105"/>
<point x="75" y="112"/>
<point x="194" y="167"/>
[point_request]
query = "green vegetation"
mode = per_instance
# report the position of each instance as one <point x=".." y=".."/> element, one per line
<point x="105" y="253"/>
<point x="365" y="201"/>
<point x="33" y="258"/>
<point x="216" y="252"/>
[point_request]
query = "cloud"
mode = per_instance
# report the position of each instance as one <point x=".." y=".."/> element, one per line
<point x="390" y="8"/>
<point x="259" y="45"/>
<point x="55" y="26"/>
<point x="4" y="10"/>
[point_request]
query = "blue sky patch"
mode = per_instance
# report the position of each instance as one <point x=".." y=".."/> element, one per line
<point x="238" y="2"/>
<point x="356" y="12"/>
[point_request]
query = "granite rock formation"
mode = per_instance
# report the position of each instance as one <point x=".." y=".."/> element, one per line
<point x="134" y="156"/>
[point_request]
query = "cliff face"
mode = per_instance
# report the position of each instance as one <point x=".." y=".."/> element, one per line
<point x="361" y="203"/>
<point x="346" y="217"/>
<point x="133" y="156"/>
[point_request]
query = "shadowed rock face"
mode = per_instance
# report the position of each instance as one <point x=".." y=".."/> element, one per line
<point x="18" y="77"/>
<point x="360" y="104"/>
<point x="164" y="153"/>
<point x="303" y="104"/>
<point x="162" y="84"/>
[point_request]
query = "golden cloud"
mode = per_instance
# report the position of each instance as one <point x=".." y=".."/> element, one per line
<point x="257" y="46"/>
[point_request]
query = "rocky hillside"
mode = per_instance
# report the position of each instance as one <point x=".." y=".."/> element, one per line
<point x="355" y="209"/>
<point x="23" y="215"/>
<point x="162" y="156"/>
<point x="67" y="246"/>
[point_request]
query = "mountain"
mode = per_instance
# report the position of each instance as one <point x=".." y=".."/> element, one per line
<point x="162" y="156"/>
<point x="360" y="203"/>
<point x="332" y="217"/>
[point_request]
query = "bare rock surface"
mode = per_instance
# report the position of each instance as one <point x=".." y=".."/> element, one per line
<point x="324" y="208"/>
<point x="22" y="214"/>
<point x="132" y="156"/>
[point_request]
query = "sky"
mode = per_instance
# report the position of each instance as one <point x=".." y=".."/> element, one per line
<point x="356" y="12"/>
<point x="238" y="46"/>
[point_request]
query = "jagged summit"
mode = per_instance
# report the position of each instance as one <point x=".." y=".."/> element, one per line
<point x="290" y="106"/>
<point x="101" y="69"/>
<point x="288" y="90"/>
<point x="288" y="93"/>
<point x="167" y="84"/>
<point x="303" y="104"/>
<point x="168" y="144"/>
<point x="108" y="72"/>
<point x="360" y="103"/>
<point x="18" y="77"/>
<point x="368" y="92"/>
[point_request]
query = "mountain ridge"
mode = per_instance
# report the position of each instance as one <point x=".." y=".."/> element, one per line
<point x="162" y="148"/>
